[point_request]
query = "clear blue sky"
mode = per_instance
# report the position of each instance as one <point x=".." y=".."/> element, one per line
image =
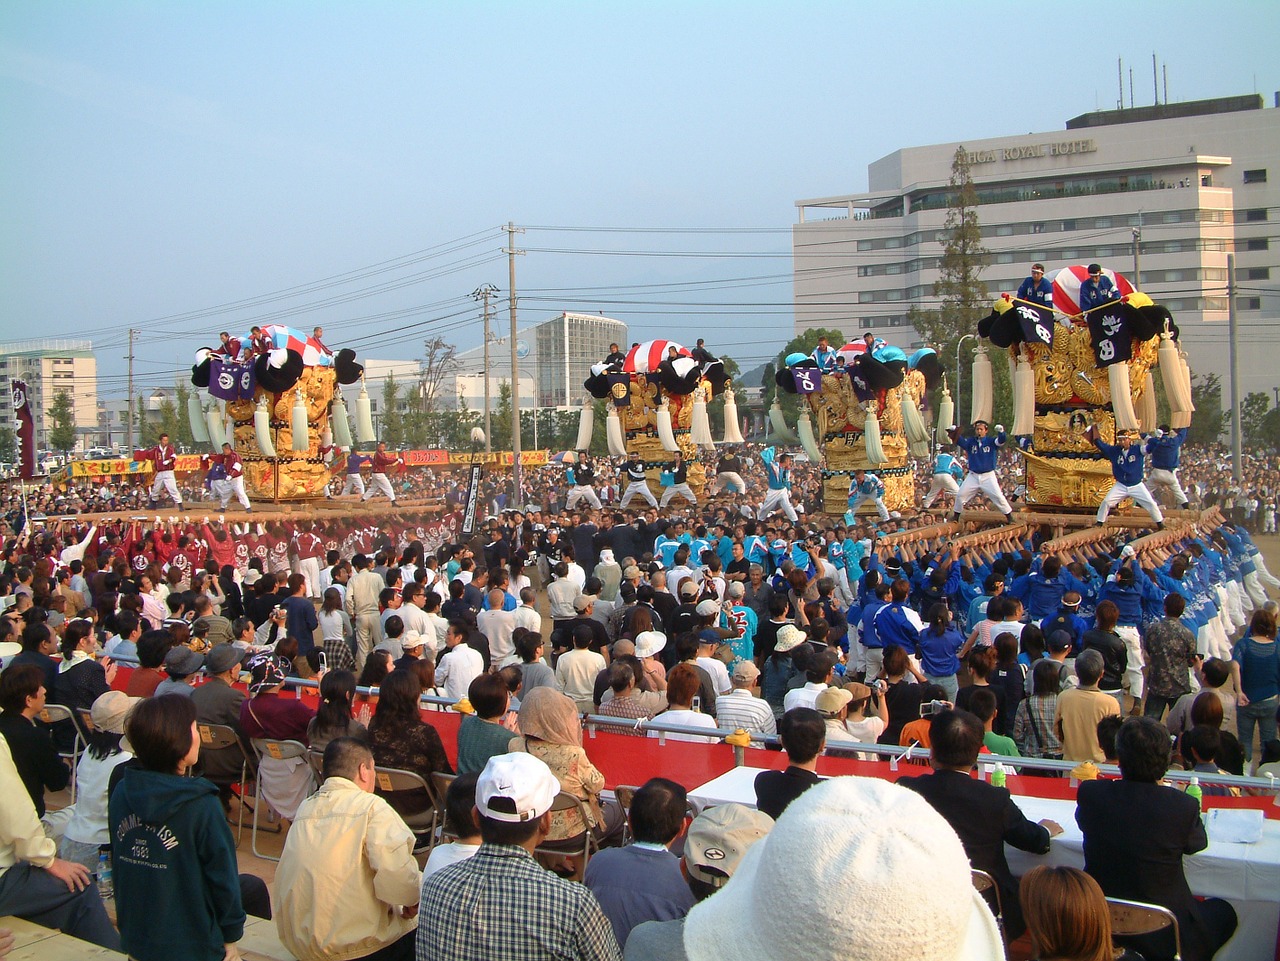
<point x="162" y="159"/>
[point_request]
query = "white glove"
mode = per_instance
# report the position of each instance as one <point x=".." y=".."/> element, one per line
<point x="999" y="428"/>
<point x="1159" y="433"/>
<point x="1128" y="551"/>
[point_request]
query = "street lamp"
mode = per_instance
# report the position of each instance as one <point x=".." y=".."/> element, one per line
<point x="960" y="373"/>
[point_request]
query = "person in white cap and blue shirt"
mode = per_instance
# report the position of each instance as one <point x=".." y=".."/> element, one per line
<point x="1126" y="467"/>
<point x="500" y="904"/>
<point x="866" y="487"/>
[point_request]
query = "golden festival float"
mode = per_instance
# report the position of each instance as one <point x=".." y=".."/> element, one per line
<point x="274" y="395"/>
<point x="658" y="398"/>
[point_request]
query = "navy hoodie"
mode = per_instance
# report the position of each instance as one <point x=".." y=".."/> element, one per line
<point x="174" y="860"/>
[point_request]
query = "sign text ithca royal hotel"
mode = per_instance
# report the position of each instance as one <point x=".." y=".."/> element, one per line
<point x="1026" y="151"/>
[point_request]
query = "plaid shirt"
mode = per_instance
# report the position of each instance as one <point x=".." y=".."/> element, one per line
<point x="1033" y="727"/>
<point x="1171" y="652"/>
<point x="501" y="905"/>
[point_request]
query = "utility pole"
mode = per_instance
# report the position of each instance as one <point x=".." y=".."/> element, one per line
<point x="484" y="293"/>
<point x="1235" y="370"/>
<point x="1137" y="254"/>
<point x="511" y="252"/>
<point x="130" y="427"/>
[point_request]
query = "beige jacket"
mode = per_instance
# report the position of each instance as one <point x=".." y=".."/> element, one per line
<point x="21" y="836"/>
<point x="346" y="868"/>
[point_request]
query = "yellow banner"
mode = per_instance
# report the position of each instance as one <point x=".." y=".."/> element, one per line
<point x="103" y="468"/>
<point x="501" y="458"/>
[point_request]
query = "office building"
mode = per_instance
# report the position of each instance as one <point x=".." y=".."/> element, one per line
<point x="49" y="367"/>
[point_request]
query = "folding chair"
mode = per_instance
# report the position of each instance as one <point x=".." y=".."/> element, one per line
<point x="266" y="747"/>
<point x="391" y="781"/>
<point x="625" y="794"/>
<point x="1134" y="918"/>
<point x="53" y="714"/>
<point x="571" y="802"/>
<point x="221" y="737"/>
<point x="986" y="885"/>
<point x="316" y="760"/>
<point x="440" y="788"/>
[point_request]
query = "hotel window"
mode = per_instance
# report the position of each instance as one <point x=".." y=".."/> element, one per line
<point x="1251" y="303"/>
<point x="1068" y="225"/>
<point x="1256" y="214"/>
<point x="1255" y="176"/>
<point x="1258" y="273"/>
<point x="1258" y="243"/>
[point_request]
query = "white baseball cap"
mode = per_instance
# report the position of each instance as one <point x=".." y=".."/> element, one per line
<point x="520" y="778"/>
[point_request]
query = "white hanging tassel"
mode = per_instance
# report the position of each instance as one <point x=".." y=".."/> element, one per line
<point x="613" y="432"/>
<point x="341" y="423"/>
<point x="781" y="432"/>
<point x="732" y="432"/>
<point x="1186" y="380"/>
<point x="364" y="417"/>
<point x="912" y="422"/>
<point x="981" y="408"/>
<point x="700" y="425"/>
<point x="301" y="442"/>
<point x="804" y="427"/>
<point x="1175" y="389"/>
<point x="217" y="429"/>
<point x="946" y="408"/>
<point x="195" y="417"/>
<point x="665" y="435"/>
<point x="586" y="423"/>
<point x="871" y="437"/>
<point x="1121" y="398"/>
<point x="1024" y="398"/>
<point x="262" y="428"/>
<point x="1147" y="415"/>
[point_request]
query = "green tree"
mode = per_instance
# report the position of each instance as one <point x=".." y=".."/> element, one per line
<point x="391" y="427"/>
<point x="8" y="445"/>
<point x="1253" y="411"/>
<point x="1208" y="421"/>
<point x="168" y="420"/>
<point x="182" y="434"/>
<point x="62" y="435"/>
<point x="803" y="343"/>
<point x="1269" y="431"/>
<point x="146" y="434"/>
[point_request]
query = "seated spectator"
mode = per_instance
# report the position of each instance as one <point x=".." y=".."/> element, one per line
<point x="146" y="677"/>
<point x="714" y="846"/>
<point x="642" y="881"/>
<point x="1033" y="728"/>
<point x="351" y="892"/>
<point x="683" y="686"/>
<point x="459" y="821"/>
<point x="1107" y="728"/>
<point x="983" y="707"/>
<point x="627" y="700"/>
<point x="932" y="699"/>
<point x="400" y="738"/>
<point x="861" y="725"/>
<point x="1080" y="708"/>
<point x="552" y="732"/>
<point x="173" y="856"/>
<point x="1067" y="916"/>
<point x="743" y="708"/>
<point x="217" y="702"/>
<point x="803" y="734"/>
<point x="1136" y="833"/>
<point x="983" y="816"/>
<point x="22" y="698"/>
<point x="87" y="832"/>
<point x="481" y="735"/>
<point x="39" y="644"/>
<point x="819" y="675"/>
<point x="833" y="705"/>
<point x="376" y="666"/>
<point x="181" y="664"/>
<point x="501" y="903"/>
<point x="529" y="645"/>
<point x="459" y="665"/>
<point x="845" y="838"/>
<point x="1214" y="675"/>
<point x="81" y="678"/>
<point x="1200" y="748"/>
<point x="334" y="717"/>
<point x="286" y="781"/>
<point x="35" y="884"/>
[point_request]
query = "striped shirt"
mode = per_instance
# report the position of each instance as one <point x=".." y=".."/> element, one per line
<point x="740" y="709"/>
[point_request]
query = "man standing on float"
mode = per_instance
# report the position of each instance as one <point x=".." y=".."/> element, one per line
<point x="777" y="468"/>
<point x="982" y="451"/>
<point x="1126" y="468"/>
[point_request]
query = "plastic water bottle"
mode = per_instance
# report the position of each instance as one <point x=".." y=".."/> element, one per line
<point x="998" y="776"/>
<point x="105" y="886"/>
<point x="1193" y="790"/>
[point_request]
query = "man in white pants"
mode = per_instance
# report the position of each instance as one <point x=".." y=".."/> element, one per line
<point x="946" y="472"/>
<point x="777" y="468"/>
<point x="1165" y="447"/>
<point x="982" y="451"/>
<point x="234" y="484"/>
<point x="354" y="484"/>
<point x="1126" y="468"/>
<point x="378" y="483"/>
<point x="637" y="486"/>
<point x="679" y="483"/>
<point x="729" y="473"/>
<point x="582" y="476"/>
<point x="164" y="457"/>
<point x="867" y="487"/>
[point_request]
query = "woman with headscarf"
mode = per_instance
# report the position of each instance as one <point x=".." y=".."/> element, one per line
<point x="552" y="732"/>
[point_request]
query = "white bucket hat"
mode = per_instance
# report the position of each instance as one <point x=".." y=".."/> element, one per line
<point x="649" y="643"/>
<point x="894" y="878"/>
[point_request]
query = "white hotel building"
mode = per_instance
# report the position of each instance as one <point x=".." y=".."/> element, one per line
<point x="1196" y="181"/>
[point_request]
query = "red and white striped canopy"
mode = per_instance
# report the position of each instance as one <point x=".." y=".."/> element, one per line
<point x="851" y="350"/>
<point x="1066" y="287"/>
<point x="645" y="358"/>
